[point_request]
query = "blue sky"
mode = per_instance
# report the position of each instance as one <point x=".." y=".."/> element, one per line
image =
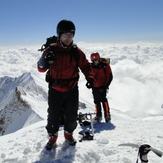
<point x="30" y="22"/>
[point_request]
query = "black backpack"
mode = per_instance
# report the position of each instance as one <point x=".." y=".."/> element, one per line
<point x="49" y="41"/>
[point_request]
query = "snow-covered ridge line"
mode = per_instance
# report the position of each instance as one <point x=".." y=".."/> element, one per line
<point x="16" y="110"/>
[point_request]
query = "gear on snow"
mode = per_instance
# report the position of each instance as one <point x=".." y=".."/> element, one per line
<point x="84" y="121"/>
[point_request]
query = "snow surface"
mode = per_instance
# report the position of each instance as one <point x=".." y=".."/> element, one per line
<point x="135" y="98"/>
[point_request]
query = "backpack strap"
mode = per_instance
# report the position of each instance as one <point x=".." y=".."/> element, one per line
<point x="75" y="54"/>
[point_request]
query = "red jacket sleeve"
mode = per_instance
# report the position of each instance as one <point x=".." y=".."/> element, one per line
<point x="85" y="66"/>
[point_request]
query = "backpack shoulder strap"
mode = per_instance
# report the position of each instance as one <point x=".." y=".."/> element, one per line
<point x="75" y="53"/>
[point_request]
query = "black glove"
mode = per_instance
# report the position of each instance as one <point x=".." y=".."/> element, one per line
<point x="50" y="57"/>
<point x="45" y="60"/>
<point x="90" y="83"/>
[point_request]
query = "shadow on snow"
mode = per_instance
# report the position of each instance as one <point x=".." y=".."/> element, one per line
<point x="62" y="153"/>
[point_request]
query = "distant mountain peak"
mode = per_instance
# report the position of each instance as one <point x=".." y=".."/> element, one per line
<point x="14" y="108"/>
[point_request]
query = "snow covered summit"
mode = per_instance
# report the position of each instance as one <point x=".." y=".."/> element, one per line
<point x="135" y="99"/>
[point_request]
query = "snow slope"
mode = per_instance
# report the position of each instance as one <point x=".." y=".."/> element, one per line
<point x="18" y="107"/>
<point x="135" y="97"/>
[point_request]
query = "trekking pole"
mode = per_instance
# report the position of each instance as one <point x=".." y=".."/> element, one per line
<point x="92" y="124"/>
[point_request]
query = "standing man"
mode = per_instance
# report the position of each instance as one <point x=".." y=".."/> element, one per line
<point x="103" y="77"/>
<point x="61" y="60"/>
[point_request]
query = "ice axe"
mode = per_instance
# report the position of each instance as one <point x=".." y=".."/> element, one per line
<point x="86" y="135"/>
<point x="143" y="151"/>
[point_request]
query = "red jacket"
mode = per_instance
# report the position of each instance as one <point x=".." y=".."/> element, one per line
<point x="65" y="68"/>
<point x="102" y="74"/>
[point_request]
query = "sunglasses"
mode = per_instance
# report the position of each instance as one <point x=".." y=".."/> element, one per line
<point x="67" y="35"/>
<point x="94" y="60"/>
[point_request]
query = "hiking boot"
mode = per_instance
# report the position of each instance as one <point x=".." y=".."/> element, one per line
<point x="69" y="138"/>
<point x="52" y="142"/>
<point x="107" y="119"/>
<point x="97" y="119"/>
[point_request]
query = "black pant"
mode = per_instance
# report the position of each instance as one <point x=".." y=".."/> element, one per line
<point x="99" y="95"/>
<point x="62" y="103"/>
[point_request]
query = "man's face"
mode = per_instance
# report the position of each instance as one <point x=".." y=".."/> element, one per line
<point x="96" y="61"/>
<point x="67" y="38"/>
